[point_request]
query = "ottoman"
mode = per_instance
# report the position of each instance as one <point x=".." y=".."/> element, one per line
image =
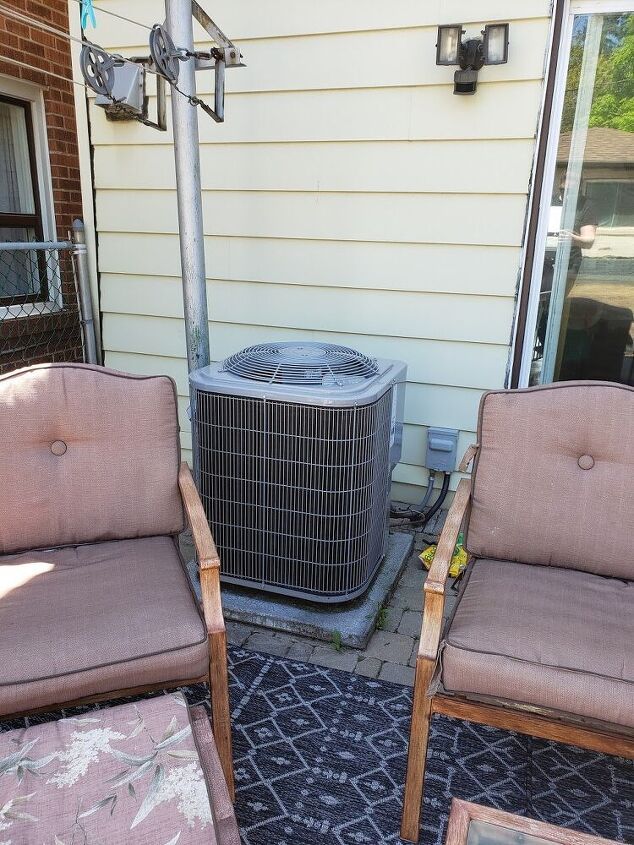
<point x="146" y="772"/>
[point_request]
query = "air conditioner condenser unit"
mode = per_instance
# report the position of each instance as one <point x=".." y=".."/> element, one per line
<point x="294" y="445"/>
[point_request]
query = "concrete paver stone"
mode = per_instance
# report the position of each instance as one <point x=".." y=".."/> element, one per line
<point x="397" y="674"/>
<point x="394" y="648"/>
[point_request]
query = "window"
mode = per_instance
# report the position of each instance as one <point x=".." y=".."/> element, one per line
<point x="613" y="201"/>
<point x="581" y="306"/>
<point x="23" y="277"/>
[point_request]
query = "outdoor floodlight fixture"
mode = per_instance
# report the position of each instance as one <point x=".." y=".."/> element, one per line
<point x="492" y="48"/>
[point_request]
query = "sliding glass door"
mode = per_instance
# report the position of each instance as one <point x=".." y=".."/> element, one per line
<point x="582" y="302"/>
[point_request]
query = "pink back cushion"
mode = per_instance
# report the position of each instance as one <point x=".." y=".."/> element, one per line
<point x="553" y="482"/>
<point x="88" y="454"/>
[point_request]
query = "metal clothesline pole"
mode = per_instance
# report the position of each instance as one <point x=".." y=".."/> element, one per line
<point x="188" y="191"/>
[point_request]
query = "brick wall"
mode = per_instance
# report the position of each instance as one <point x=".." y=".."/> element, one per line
<point x="57" y="337"/>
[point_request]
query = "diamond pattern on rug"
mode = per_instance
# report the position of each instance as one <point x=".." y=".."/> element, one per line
<point x="339" y="772"/>
<point x="582" y="789"/>
<point x="474" y="762"/>
<point x="320" y="759"/>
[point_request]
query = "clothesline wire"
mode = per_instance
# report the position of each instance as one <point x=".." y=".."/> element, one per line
<point x="40" y="70"/>
<point x="117" y="15"/>
<point x="37" y="24"/>
<point x="59" y="33"/>
<point x="18" y="16"/>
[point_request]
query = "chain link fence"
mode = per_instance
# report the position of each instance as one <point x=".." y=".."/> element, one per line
<point x="40" y="318"/>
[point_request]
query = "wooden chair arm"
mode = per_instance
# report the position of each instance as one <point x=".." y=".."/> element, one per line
<point x="434" y="588"/>
<point x="206" y="552"/>
<point x="209" y="570"/>
<point x="197" y="518"/>
<point x="468" y="456"/>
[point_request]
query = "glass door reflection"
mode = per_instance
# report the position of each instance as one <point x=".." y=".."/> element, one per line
<point x="585" y="315"/>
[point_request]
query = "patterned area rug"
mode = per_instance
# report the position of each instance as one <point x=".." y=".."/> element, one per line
<point x="320" y="758"/>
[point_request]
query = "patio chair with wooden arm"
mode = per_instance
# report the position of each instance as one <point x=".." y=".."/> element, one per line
<point x="540" y="641"/>
<point x="95" y="601"/>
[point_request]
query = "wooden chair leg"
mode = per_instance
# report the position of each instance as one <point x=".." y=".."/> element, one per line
<point x="220" y="712"/>
<point x="417" y="754"/>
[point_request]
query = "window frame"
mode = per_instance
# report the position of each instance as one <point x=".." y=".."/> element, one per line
<point x="544" y="174"/>
<point x="20" y="220"/>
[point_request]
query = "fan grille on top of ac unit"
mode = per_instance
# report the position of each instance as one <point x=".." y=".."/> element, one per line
<point x="300" y="363"/>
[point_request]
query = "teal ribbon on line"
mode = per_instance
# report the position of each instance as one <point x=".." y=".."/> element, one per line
<point x="87" y="14"/>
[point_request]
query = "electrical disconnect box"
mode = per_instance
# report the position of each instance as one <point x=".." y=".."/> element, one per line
<point x="442" y="447"/>
<point x="127" y="99"/>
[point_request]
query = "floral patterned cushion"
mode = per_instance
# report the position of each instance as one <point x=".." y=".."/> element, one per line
<point x="126" y="774"/>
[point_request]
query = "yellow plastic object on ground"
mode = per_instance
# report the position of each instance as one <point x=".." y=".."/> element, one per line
<point x="458" y="559"/>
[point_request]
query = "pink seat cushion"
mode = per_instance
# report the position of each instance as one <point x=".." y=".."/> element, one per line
<point x="545" y="636"/>
<point x="553" y="480"/>
<point x="84" y="620"/>
<point x="88" y="454"/>
<point x="123" y="774"/>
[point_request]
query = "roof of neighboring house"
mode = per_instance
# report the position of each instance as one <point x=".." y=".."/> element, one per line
<point x="603" y="146"/>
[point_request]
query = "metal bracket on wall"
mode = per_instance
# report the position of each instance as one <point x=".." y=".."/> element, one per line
<point x="226" y="55"/>
<point x="232" y="55"/>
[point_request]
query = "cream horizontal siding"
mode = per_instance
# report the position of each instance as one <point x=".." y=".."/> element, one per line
<point x="348" y="197"/>
<point x="251" y="19"/>
<point x="440" y="268"/>
<point x="341" y="167"/>
<point x="429" y="361"/>
<point x="476" y="319"/>
<point x="500" y="110"/>
<point x="422" y="218"/>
